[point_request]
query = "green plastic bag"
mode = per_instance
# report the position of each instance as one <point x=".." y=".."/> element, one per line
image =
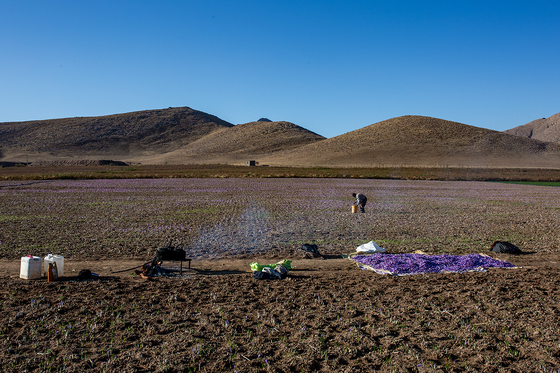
<point x="255" y="266"/>
<point x="286" y="263"/>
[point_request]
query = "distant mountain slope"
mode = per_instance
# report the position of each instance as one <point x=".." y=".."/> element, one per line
<point x="544" y="129"/>
<point x="422" y="141"/>
<point x="243" y="142"/>
<point x="142" y="132"/>
<point x="183" y="135"/>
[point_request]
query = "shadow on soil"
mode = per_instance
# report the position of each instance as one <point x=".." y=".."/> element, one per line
<point x="207" y="272"/>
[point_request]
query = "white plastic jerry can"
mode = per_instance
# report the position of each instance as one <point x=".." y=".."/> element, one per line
<point x="31" y="267"/>
<point x="58" y="259"/>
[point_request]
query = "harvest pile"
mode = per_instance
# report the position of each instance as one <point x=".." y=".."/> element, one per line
<point x="411" y="264"/>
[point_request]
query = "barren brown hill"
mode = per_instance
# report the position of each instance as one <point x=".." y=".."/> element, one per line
<point x="243" y="142"/>
<point x="544" y="129"/>
<point x="422" y="141"/>
<point x="187" y="136"/>
<point x="121" y="135"/>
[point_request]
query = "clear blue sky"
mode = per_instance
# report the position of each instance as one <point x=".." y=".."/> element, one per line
<point x="329" y="66"/>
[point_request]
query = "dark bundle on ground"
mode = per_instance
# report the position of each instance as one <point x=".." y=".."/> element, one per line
<point x="505" y="247"/>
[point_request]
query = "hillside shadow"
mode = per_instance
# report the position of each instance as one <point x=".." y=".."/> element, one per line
<point x="29" y="183"/>
<point x="12" y="164"/>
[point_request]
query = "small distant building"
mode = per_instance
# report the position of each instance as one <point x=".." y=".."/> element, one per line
<point x="251" y="163"/>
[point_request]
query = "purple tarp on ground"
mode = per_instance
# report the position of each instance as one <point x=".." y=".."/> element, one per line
<point x="410" y="264"/>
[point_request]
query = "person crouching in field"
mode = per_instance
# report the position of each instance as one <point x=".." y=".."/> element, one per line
<point x="361" y="201"/>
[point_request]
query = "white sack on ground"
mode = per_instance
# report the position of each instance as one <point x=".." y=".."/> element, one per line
<point x="370" y="247"/>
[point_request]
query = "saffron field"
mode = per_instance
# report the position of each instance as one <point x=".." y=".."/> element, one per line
<point x="326" y="316"/>
<point x="239" y="217"/>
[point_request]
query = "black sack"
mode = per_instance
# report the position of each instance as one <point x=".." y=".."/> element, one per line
<point x="260" y="275"/>
<point x="505" y="247"/>
<point x="85" y="274"/>
<point x="308" y="248"/>
<point x="170" y="253"/>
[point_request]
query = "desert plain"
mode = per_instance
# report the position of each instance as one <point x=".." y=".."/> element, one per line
<point x="327" y="315"/>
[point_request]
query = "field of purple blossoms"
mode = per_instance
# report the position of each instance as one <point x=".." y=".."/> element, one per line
<point x="412" y="264"/>
<point x="213" y="218"/>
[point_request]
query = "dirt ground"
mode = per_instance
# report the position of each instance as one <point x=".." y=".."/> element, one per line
<point x="327" y="315"/>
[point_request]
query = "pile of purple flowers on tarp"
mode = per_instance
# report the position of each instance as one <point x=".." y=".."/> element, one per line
<point x="409" y="264"/>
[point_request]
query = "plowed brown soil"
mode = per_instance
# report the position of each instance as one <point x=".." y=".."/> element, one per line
<point x="326" y="316"/>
